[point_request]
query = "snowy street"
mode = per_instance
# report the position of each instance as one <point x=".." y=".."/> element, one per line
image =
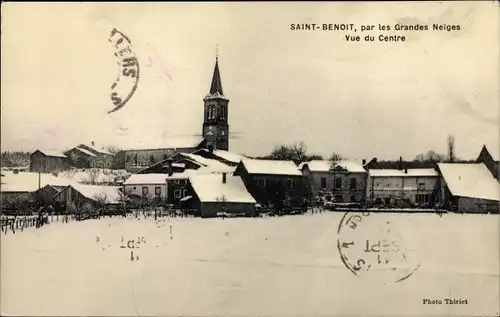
<point x="282" y="266"/>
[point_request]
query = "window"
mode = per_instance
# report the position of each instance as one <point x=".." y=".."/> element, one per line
<point x="290" y="183"/>
<point x="177" y="181"/>
<point x="261" y="182"/>
<point x="352" y="185"/>
<point x="184" y="193"/>
<point x="339" y="199"/>
<point x="338" y="183"/>
<point x="421" y="198"/>
<point x="323" y="182"/>
<point x="158" y="191"/>
<point x="182" y="182"/>
<point x="353" y="198"/>
<point x="387" y="200"/>
<point x="177" y="193"/>
<point x="144" y="190"/>
<point x="211" y="112"/>
<point x="421" y="186"/>
<point x="222" y="112"/>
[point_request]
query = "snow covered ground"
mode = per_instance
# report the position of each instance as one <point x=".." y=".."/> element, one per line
<point x="283" y="266"/>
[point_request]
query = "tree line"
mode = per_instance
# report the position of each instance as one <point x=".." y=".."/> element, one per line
<point x="298" y="152"/>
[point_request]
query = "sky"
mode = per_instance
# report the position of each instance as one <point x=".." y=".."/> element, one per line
<point x="359" y="99"/>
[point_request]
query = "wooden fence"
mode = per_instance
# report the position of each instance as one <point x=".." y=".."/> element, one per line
<point x="19" y="223"/>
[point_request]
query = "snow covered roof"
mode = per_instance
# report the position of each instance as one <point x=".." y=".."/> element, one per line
<point x="272" y="167"/>
<point x="51" y="153"/>
<point x="111" y="193"/>
<point x="85" y="151"/>
<point x="229" y="156"/>
<point x="210" y="188"/>
<point x="28" y="182"/>
<point x="191" y="172"/>
<point x="145" y="179"/>
<point x="98" y="149"/>
<point x="410" y="172"/>
<point x="214" y="165"/>
<point x="96" y="175"/>
<point x="169" y="143"/>
<point x="470" y="180"/>
<point x="324" y="166"/>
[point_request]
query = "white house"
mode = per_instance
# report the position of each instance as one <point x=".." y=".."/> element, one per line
<point x="419" y="185"/>
<point x="469" y="187"/>
<point x="147" y="185"/>
<point x="346" y="181"/>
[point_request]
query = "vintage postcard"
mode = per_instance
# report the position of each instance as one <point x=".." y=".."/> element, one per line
<point x="250" y="159"/>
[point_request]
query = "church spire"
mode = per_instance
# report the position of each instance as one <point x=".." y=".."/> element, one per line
<point x="216" y="86"/>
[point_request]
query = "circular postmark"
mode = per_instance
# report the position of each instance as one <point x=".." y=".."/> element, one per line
<point x="371" y="245"/>
<point x="128" y="77"/>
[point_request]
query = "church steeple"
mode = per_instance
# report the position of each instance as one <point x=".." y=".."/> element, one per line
<point x="216" y="107"/>
<point x="216" y="86"/>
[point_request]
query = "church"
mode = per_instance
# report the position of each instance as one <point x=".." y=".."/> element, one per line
<point x="215" y="133"/>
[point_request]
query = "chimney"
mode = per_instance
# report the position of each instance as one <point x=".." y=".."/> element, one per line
<point x="406" y="171"/>
<point x="211" y="148"/>
<point x="374" y="160"/>
<point x="363" y="162"/>
<point x="170" y="167"/>
<point x="92" y="143"/>
<point x="400" y="166"/>
<point x="224" y="178"/>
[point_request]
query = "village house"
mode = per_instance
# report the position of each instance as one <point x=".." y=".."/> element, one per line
<point x="45" y="195"/>
<point x="42" y="161"/>
<point x="74" y="197"/>
<point x="178" y="190"/>
<point x="417" y="186"/>
<point x="150" y="186"/>
<point x="21" y="187"/>
<point x="89" y="156"/>
<point x="214" y="193"/>
<point x="468" y="187"/>
<point x="490" y="160"/>
<point x="345" y="180"/>
<point x="272" y="181"/>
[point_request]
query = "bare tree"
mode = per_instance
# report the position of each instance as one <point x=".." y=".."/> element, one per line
<point x="451" y="148"/>
<point x="430" y="157"/>
<point x="100" y="201"/>
<point x="92" y="176"/>
<point x="15" y="159"/>
<point x="313" y="157"/>
<point x="69" y="173"/>
<point x="221" y="202"/>
<point x="335" y="157"/>
<point x="145" y="203"/>
<point x="124" y="198"/>
<point x="112" y="149"/>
